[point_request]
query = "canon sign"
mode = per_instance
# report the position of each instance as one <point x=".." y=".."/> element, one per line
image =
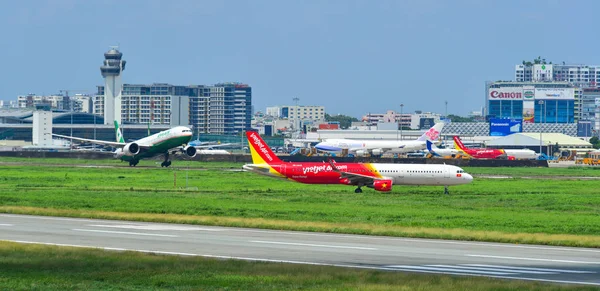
<point x="498" y="94"/>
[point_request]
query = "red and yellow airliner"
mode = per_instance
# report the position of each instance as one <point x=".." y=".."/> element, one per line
<point x="380" y="177"/>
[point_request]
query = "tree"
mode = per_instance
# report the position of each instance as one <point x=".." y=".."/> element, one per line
<point x="344" y="120"/>
<point x="456" y="118"/>
<point x="595" y="142"/>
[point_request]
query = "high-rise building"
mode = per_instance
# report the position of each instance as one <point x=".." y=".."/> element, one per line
<point x="221" y="108"/>
<point x="539" y="102"/>
<point x="77" y="103"/>
<point x="111" y="70"/>
<point x="583" y="76"/>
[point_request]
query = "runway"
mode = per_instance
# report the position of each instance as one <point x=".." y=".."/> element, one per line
<point x="525" y="262"/>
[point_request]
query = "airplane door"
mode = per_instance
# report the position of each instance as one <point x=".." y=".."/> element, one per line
<point x="446" y="173"/>
<point x="283" y="169"/>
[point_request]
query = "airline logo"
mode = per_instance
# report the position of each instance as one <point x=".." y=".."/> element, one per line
<point x="260" y="147"/>
<point x="324" y="168"/>
<point x="432" y="134"/>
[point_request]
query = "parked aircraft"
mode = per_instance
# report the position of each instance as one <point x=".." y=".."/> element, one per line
<point x="436" y="152"/>
<point x="481" y="153"/>
<point x="379" y="147"/>
<point x="163" y="143"/>
<point x="380" y="177"/>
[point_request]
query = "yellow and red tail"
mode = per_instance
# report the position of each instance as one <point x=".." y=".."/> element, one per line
<point x="458" y="144"/>
<point x="261" y="153"/>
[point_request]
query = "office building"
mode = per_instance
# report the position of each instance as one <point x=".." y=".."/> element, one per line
<point x="534" y="102"/>
<point x="416" y="120"/>
<point x="77" y="103"/>
<point x="298" y="115"/>
<point x="224" y="108"/>
<point x="580" y="75"/>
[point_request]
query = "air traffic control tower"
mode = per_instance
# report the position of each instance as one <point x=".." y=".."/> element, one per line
<point x="111" y="71"/>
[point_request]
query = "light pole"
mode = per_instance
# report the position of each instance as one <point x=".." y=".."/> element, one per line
<point x="541" y="103"/>
<point x="446" y="112"/>
<point x="401" y="107"/>
<point x="297" y="109"/>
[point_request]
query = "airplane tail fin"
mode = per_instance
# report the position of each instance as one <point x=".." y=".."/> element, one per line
<point x="458" y="144"/>
<point x="261" y="153"/>
<point x="433" y="133"/>
<point x="118" y="132"/>
<point x="430" y="146"/>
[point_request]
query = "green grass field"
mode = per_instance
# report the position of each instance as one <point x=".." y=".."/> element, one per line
<point x="39" y="267"/>
<point x="522" y="210"/>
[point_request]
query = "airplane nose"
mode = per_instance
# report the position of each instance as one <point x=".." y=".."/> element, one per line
<point x="468" y="177"/>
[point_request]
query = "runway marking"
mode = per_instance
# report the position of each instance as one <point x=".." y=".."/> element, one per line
<point x="125" y="232"/>
<point x="398" y="239"/>
<point x="310" y="245"/>
<point x="533" y="259"/>
<point x="6" y="224"/>
<point x="495" y="269"/>
<point x="153" y="227"/>
<point x="528" y="268"/>
<point x="401" y="239"/>
<point x="450" y="269"/>
<point x="309" y="263"/>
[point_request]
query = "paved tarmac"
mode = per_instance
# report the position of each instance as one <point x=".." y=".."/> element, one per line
<point x="525" y="262"/>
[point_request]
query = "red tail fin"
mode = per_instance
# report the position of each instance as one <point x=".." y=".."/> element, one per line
<point x="261" y="153"/>
<point x="459" y="144"/>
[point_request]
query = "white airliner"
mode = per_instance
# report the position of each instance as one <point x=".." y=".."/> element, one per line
<point x="163" y="143"/>
<point x="379" y="147"/>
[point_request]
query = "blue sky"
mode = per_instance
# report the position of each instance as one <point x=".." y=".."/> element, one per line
<point x="353" y="57"/>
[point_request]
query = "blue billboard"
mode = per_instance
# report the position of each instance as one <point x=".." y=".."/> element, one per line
<point x="503" y="127"/>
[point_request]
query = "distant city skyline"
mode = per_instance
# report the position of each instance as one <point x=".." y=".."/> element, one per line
<point x="352" y="57"/>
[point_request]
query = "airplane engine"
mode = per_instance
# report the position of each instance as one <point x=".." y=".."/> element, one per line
<point x="362" y="153"/>
<point x="377" y="152"/>
<point x="345" y="181"/>
<point x="383" y="185"/>
<point x="119" y="153"/>
<point x="131" y="149"/>
<point x="190" y="151"/>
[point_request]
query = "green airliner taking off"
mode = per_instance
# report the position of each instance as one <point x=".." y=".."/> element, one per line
<point x="165" y="142"/>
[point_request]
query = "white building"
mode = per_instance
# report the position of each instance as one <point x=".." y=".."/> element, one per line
<point x="42" y="128"/>
<point x="417" y="120"/>
<point x="77" y="103"/>
<point x="580" y="75"/>
<point x="298" y="115"/>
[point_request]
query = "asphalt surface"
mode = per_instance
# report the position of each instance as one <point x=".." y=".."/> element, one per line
<point x="526" y="262"/>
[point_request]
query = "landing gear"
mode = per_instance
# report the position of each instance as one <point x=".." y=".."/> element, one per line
<point x="446" y="190"/>
<point x="166" y="163"/>
<point x="358" y="190"/>
<point x="133" y="163"/>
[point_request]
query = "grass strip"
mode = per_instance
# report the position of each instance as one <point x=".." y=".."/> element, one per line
<point x="41" y="267"/>
<point x="591" y="241"/>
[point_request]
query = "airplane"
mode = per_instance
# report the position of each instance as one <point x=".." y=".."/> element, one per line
<point x="482" y="153"/>
<point x="162" y="143"/>
<point x="380" y="177"/>
<point x="379" y="147"/>
<point x="436" y="152"/>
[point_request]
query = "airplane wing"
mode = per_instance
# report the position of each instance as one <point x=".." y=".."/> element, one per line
<point x="102" y="142"/>
<point x="208" y="146"/>
<point x="354" y="178"/>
